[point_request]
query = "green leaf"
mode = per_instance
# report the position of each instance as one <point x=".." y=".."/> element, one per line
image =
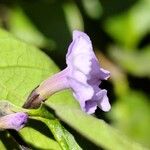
<point x="130" y="114"/>
<point x="70" y="9"/>
<point x="134" y="62"/>
<point x="23" y="67"/>
<point x="92" y="8"/>
<point x="130" y="27"/>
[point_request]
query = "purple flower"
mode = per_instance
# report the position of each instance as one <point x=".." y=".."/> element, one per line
<point x="14" y="121"/>
<point x="83" y="75"/>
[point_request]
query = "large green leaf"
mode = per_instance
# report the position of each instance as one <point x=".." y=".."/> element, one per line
<point x="22" y="67"/>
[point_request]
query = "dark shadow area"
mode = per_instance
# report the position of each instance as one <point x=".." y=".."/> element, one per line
<point x="145" y="41"/>
<point x="37" y="125"/>
<point x="115" y="7"/>
<point x="8" y="141"/>
<point x="18" y="138"/>
<point x="23" y="145"/>
<point x="102" y="115"/>
<point x="141" y="84"/>
<point x="110" y="90"/>
<point x="13" y="141"/>
<point x="51" y="22"/>
<point x="112" y="99"/>
<point x="84" y="143"/>
<point x="41" y="127"/>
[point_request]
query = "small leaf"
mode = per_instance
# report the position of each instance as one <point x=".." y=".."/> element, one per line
<point x="92" y="8"/>
<point x="130" y="27"/>
<point x="76" y="22"/>
<point x="136" y="63"/>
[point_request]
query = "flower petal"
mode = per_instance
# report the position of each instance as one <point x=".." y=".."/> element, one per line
<point x="90" y="106"/>
<point x="82" y="91"/>
<point x="103" y="101"/>
<point x="85" y="74"/>
<point x="104" y="75"/>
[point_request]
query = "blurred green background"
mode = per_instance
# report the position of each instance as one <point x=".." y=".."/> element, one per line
<point x="120" y="32"/>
